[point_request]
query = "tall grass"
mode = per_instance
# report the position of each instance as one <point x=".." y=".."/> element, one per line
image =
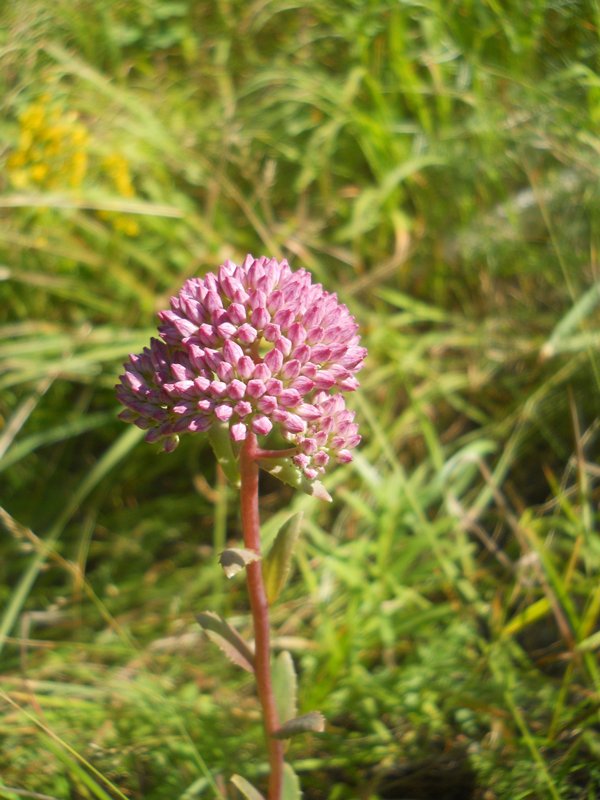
<point x="435" y="164"/>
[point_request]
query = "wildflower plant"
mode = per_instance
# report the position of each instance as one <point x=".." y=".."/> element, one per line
<point x="52" y="151"/>
<point x="55" y="152"/>
<point x="259" y="358"/>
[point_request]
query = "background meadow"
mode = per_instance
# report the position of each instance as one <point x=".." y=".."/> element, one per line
<point x="436" y="164"/>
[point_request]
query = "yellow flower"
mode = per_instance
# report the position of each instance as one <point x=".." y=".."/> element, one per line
<point x="118" y="170"/>
<point x="19" y="178"/>
<point x="79" y="162"/>
<point x="39" y="172"/>
<point x="25" y="139"/>
<point x="52" y="154"/>
<point x="16" y="160"/>
<point x="33" y="118"/>
<point x="126" y="225"/>
<point x="52" y="147"/>
<point x="79" y="135"/>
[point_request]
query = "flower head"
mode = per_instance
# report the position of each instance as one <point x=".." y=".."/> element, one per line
<point x="255" y="346"/>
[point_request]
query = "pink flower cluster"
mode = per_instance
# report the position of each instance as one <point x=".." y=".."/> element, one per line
<point x="253" y="346"/>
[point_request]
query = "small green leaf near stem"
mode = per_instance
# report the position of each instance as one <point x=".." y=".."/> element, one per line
<point x="285" y="687"/>
<point x="277" y="564"/>
<point x="227" y="638"/>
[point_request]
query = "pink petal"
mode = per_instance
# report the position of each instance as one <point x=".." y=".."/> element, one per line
<point x="238" y="432"/>
<point x="217" y="388"/>
<point x="236" y="390"/>
<point x="225" y="371"/>
<point x="262" y="425"/>
<point x="247" y="334"/>
<point x="261" y="372"/>
<point x="223" y="413"/>
<point x="267" y="404"/>
<point x="274" y="360"/>
<point x="236" y="313"/>
<point x="274" y="387"/>
<point x="256" y="388"/>
<point x="294" y="424"/>
<point x="243" y="408"/>
<point x="260" y="317"/>
<point x="245" y="367"/>
<point x="232" y="352"/>
<point x="272" y="332"/>
<point x="289" y="397"/>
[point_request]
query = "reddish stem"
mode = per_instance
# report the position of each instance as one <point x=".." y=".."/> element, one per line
<point x="260" y="612"/>
<point x="290" y="451"/>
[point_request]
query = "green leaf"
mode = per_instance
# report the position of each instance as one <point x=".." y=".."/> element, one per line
<point x="98" y="201"/>
<point x="227" y="638"/>
<point x="249" y="792"/>
<point x="277" y="565"/>
<point x="50" y="435"/>
<point x="591" y="643"/>
<point x="286" y="472"/>
<point x="103" y="466"/>
<point x="291" y="784"/>
<point x="220" y="441"/>
<point x="313" y="722"/>
<point x="415" y="309"/>
<point x="235" y="559"/>
<point x="562" y="337"/>
<point x="285" y="686"/>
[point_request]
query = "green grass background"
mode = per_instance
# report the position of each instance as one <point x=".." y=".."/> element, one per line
<point x="437" y="164"/>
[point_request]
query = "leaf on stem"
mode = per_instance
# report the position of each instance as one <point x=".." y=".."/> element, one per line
<point x="291" y="784"/>
<point x="227" y="639"/>
<point x="277" y="565"/>
<point x="220" y="441"/>
<point x="285" y="686"/>
<point x="286" y="472"/>
<point x="313" y="722"/>
<point x="246" y="788"/>
<point x="235" y="559"/>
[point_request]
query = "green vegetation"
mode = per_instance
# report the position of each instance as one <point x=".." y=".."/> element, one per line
<point x="436" y="164"/>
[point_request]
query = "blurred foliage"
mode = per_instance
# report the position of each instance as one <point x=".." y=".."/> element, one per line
<point x="434" y="163"/>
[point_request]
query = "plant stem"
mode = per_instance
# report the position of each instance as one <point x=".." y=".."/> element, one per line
<point x="289" y="451"/>
<point x="260" y="613"/>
